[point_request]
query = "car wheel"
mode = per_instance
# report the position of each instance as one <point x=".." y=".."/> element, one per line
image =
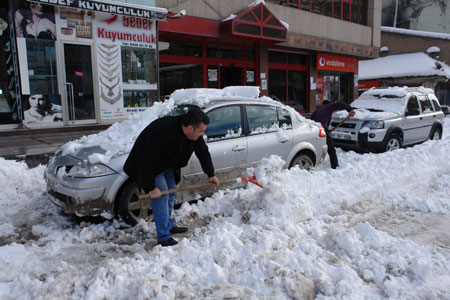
<point x="393" y="143"/>
<point x="129" y="207"/>
<point x="436" y="134"/>
<point x="303" y="161"/>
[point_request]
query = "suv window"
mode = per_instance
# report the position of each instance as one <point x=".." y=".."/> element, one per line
<point x="261" y="118"/>
<point x="436" y="105"/>
<point x="425" y="104"/>
<point x="224" y="122"/>
<point x="413" y="106"/>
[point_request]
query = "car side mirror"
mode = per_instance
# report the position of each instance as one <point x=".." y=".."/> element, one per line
<point x="412" y="112"/>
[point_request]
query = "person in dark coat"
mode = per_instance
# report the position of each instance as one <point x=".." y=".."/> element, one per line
<point x="154" y="162"/>
<point x="323" y="116"/>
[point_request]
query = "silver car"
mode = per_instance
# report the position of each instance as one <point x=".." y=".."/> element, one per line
<point x="241" y="132"/>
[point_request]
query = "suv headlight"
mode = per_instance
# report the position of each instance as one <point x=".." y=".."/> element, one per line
<point x="373" y="124"/>
<point x="89" y="170"/>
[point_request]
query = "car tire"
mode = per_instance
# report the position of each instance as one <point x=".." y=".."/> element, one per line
<point x="394" y="142"/>
<point x="436" y="134"/>
<point x="128" y="205"/>
<point x="303" y="161"/>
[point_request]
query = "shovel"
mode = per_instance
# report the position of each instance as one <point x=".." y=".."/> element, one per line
<point x="251" y="179"/>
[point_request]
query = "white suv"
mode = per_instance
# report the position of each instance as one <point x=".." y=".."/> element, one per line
<point x="389" y="118"/>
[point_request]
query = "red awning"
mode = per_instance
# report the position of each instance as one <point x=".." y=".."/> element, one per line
<point x="257" y="22"/>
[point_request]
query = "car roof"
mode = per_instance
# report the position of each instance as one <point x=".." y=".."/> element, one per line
<point x="227" y="101"/>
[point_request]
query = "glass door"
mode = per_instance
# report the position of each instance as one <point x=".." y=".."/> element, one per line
<point x="79" y="85"/>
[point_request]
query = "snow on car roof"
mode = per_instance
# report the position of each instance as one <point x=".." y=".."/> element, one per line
<point x="119" y="138"/>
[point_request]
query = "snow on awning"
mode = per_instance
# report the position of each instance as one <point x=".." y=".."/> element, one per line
<point x="402" y="65"/>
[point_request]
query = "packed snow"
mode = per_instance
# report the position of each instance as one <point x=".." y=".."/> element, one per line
<point x="375" y="228"/>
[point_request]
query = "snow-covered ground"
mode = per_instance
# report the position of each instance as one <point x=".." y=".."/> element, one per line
<point x="375" y="228"/>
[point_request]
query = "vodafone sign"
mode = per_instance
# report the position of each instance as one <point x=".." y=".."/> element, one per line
<point x="338" y="63"/>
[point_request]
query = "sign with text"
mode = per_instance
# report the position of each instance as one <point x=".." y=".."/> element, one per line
<point x="331" y="62"/>
<point x="118" y="8"/>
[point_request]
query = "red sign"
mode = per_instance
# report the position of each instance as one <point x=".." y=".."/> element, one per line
<point x="78" y="73"/>
<point x="365" y="85"/>
<point x="330" y="62"/>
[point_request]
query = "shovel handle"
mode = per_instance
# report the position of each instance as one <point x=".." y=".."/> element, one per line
<point x="197" y="186"/>
<point x="340" y="123"/>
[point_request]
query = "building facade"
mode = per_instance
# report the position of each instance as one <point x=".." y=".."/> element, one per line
<point x="299" y="52"/>
<point x="73" y="63"/>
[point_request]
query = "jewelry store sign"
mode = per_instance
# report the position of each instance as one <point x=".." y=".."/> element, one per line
<point x="153" y="13"/>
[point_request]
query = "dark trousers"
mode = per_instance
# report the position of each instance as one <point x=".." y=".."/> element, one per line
<point x="332" y="152"/>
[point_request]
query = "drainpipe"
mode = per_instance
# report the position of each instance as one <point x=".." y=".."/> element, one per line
<point x="396" y="12"/>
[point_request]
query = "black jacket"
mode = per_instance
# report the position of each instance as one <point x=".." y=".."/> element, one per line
<point x="160" y="146"/>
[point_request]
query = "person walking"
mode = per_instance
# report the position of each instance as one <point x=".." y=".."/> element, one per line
<point x="160" y="151"/>
<point x="323" y="115"/>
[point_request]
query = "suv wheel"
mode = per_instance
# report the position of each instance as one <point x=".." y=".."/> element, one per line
<point x="393" y="143"/>
<point x="129" y="207"/>
<point x="436" y="134"/>
<point x="303" y="161"/>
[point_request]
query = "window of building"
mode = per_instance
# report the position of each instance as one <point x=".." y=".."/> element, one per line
<point x="177" y="76"/>
<point x="138" y="98"/>
<point x="138" y="65"/>
<point x="287" y="79"/>
<point x="349" y="10"/>
<point x="42" y="76"/>
<point x="183" y="48"/>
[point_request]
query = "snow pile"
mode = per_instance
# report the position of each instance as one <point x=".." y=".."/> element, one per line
<point x="402" y="65"/>
<point x="433" y="49"/>
<point x="304" y="235"/>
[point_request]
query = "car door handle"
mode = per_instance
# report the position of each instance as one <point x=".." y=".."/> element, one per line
<point x="238" y="148"/>
<point x="421" y="118"/>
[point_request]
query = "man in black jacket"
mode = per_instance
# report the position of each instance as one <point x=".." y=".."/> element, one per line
<point x="323" y="115"/>
<point x="159" y="152"/>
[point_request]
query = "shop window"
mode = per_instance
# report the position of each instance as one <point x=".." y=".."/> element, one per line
<point x="296" y="89"/>
<point x="250" y="54"/>
<point x="42" y="74"/>
<point x="327" y="87"/>
<point x="293" y="3"/>
<point x="305" y="4"/>
<point x="177" y="76"/>
<point x="138" y="65"/>
<point x="211" y="50"/>
<point x="230" y="76"/>
<point x="138" y="98"/>
<point x="277" y="57"/>
<point x="227" y="52"/>
<point x="296" y="59"/>
<point x="277" y="85"/>
<point x="346" y="13"/>
<point x="183" y="48"/>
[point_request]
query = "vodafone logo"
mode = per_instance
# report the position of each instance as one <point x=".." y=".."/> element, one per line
<point x="322" y="61"/>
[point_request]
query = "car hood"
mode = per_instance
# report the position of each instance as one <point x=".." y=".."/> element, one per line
<point x="364" y="114"/>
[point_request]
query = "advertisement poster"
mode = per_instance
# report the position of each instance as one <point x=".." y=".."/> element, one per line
<point x="126" y="55"/>
<point x="35" y="20"/>
<point x="75" y="22"/>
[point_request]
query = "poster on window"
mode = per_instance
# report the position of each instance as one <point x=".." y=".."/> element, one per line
<point x="40" y="108"/>
<point x="212" y="75"/>
<point x="34" y="20"/>
<point x="75" y="22"/>
<point x="250" y="76"/>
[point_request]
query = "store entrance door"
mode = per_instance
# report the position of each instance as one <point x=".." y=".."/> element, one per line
<point x="230" y="76"/>
<point x="79" y="87"/>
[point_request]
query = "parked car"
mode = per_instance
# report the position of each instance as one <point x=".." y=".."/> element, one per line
<point x="241" y="132"/>
<point x="389" y="118"/>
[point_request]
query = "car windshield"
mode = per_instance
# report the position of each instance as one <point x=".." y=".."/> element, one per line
<point x="381" y="102"/>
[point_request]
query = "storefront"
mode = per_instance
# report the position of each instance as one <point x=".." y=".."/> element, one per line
<point x="335" y="78"/>
<point x="79" y="62"/>
<point x="245" y="49"/>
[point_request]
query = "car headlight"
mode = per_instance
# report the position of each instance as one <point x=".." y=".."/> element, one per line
<point x="373" y="124"/>
<point x="89" y="170"/>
